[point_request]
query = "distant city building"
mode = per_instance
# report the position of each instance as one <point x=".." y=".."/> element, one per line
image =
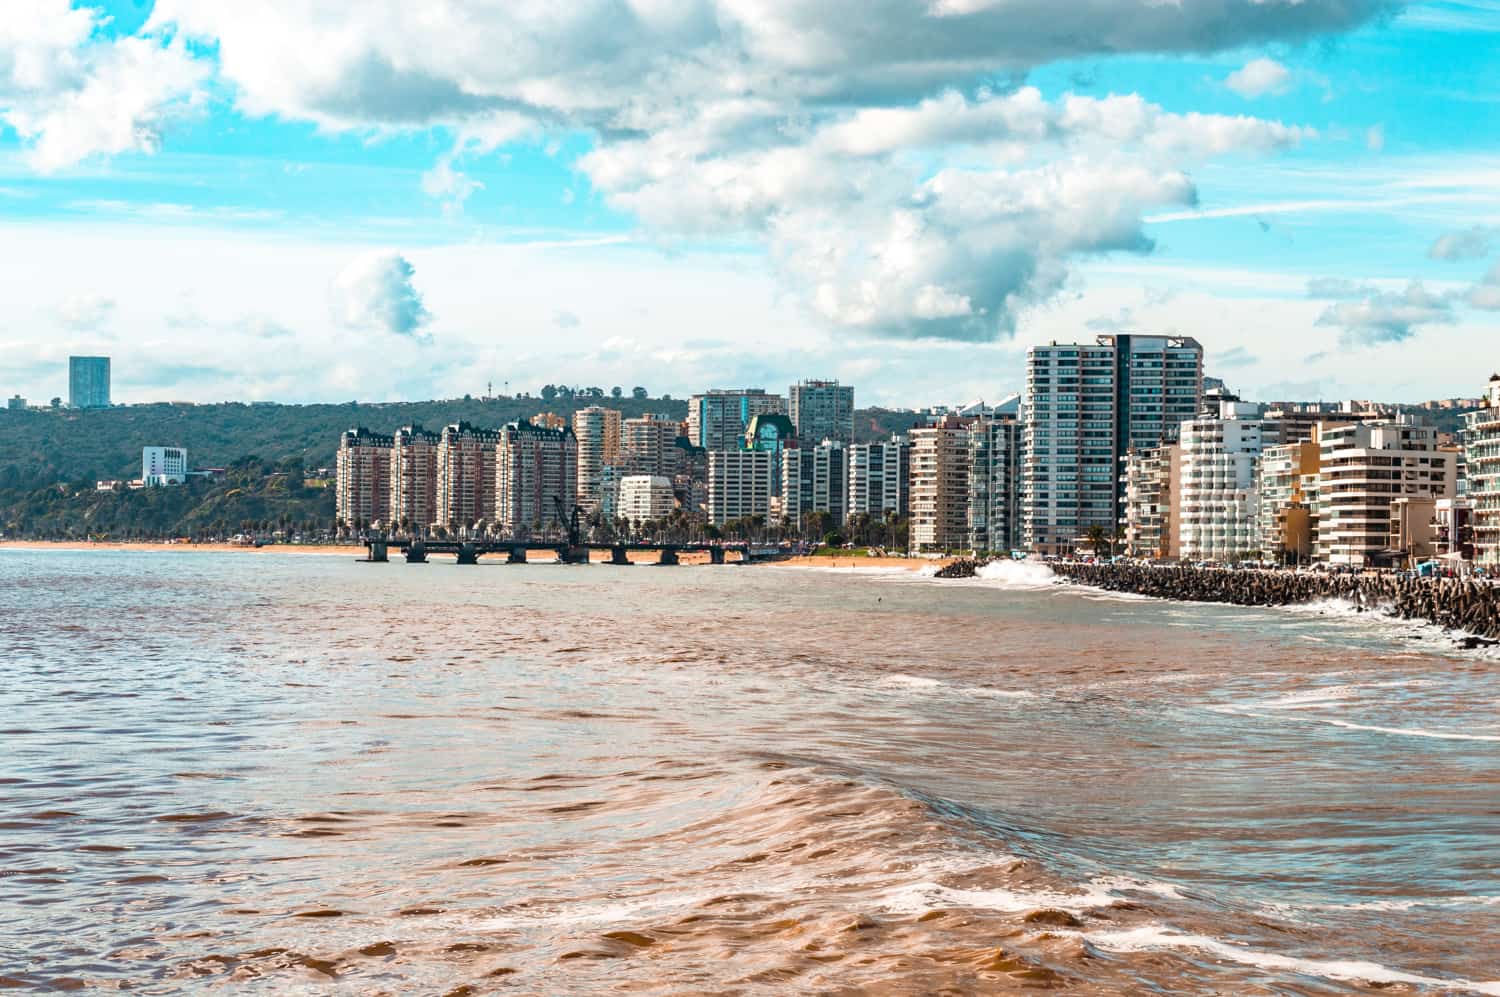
<point x="815" y="480"/>
<point x="647" y="444"/>
<point x="822" y="410"/>
<point x="1086" y="406"/>
<point x="536" y="472"/>
<point x="88" y="382"/>
<point x="16" y="402"/>
<point x="940" y="486"/>
<point x="717" y="419"/>
<point x="1288" y="476"/>
<point x="549" y="420"/>
<point x="598" y="432"/>
<point x="1482" y="457"/>
<point x="465" y="491"/>
<point x="363" y="478"/>
<point x="1218" y="505"/>
<point x="414" y="475"/>
<point x="1363" y="469"/>
<point x="163" y="466"/>
<point x="879" y="478"/>
<point x="994" y="513"/>
<point x="740" y="484"/>
<point x="1150" y="521"/>
<point x="646" y="498"/>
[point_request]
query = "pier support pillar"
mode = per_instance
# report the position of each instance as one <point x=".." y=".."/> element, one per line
<point x="617" y="555"/>
<point x="668" y="556"/>
<point x="517" y="556"/>
<point x="573" y="555"/>
<point x="468" y="554"/>
<point x="416" y="553"/>
<point x="716" y="555"/>
<point x="378" y="552"/>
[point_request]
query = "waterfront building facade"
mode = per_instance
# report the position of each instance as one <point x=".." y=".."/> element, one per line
<point x="647" y="444"/>
<point x="413" y="479"/>
<point x="940" y="486"/>
<point x="717" y="419"/>
<point x="1152" y="486"/>
<point x="994" y="520"/>
<point x="598" y="432"/>
<point x="163" y="466"/>
<point x="88" y="382"/>
<point x="879" y="477"/>
<point x="465" y="477"/>
<point x="362" y="478"/>
<point x="1285" y="521"/>
<point x="1482" y="459"/>
<point x="1085" y="407"/>
<point x="1363" y="469"/>
<point x="646" y="498"/>
<point x="822" y="410"/>
<point x="815" y="480"/>
<point x="1218" y="506"/>
<point x="536" y="470"/>
<point x="741" y="484"/>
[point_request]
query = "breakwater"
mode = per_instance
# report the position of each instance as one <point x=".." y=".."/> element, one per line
<point x="1451" y="603"/>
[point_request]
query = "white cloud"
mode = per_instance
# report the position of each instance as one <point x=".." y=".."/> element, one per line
<point x="375" y="293"/>
<point x="1375" y="138"/>
<point x="1486" y="293"/>
<point x="85" y="312"/>
<point x="1259" y="77"/>
<point x="1377" y="317"/>
<point x="1472" y="243"/>
<point x="70" y="95"/>
<point x="449" y="185"/>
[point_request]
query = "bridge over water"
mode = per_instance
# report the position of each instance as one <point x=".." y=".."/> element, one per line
<point x="418" y="550"/>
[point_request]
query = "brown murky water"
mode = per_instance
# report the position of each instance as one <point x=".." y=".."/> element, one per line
<point x="289" y="774"/>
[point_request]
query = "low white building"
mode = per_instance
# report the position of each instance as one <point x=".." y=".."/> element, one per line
<point x="163" y="466"/>
<point x="646" y="498"/>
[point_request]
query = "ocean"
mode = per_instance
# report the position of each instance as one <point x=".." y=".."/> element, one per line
<point x="285" y="774"/>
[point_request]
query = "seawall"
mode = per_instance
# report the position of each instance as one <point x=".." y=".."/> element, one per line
<point x="1454" y="604"/>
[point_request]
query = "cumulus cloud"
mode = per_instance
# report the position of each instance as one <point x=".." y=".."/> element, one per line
<point x="1486" y="293"/>
<point x="448" y="185"/>
<point x="70" y="94"/>
<point x="1378" y="317"/>
<point x="375" y="293"/>
<point x="1235" y="356"/>
<point x="85" y="312"/>
<point x="1472" y="243"/>
<point x="1259" y="77"/>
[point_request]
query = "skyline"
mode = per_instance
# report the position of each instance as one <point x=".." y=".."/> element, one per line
<point x="1316" y="183"/>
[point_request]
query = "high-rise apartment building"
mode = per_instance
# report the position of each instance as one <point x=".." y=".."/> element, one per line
<point x="1218" y="508"/>
<point x="16" y="403"/>
<point x="88" y="382"/>
<point x="994" y="484"/>
<point x="879" y="477"/>
<point x="465" y="476"/>
<point x="414" y="476"/>
<point x="740" y="484"/>
<point x="598" y="432"/>
<point x="1086" y="406"/>
<point x="717" y="419"/>
<point x="1363" y="469"/>
<point x="815" y="480"/>
<point x="647" y="442"/>
<point x="163" y="466"/>
<point x="1285" y="520"/>
<point x="1482" y="460"/>
<point x="645" y="498"/>
<point x="822" y="410"/>
<point x="363" y="478"/>
<point x="1151" y="477"/>
<point x="940" y="485"/>
<point x="536" y="471"/>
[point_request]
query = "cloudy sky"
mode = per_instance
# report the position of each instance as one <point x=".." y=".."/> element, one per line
<point x="310" y="200"/>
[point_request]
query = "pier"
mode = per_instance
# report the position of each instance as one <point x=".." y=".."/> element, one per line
<point x="418" y="550"/>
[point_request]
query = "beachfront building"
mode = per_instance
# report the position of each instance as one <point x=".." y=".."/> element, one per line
<point x="645" y="498"/>
<point x="88" y="382"/>
<point x="1363" y="469"/>
<point x="1482" y="457"/>
<point x="822" y="410"/>
<point x="414" y="475"/>
<point x="815" y="480"/>
<point x="536" y="477"/>
<point x="465" y="477"/>
<point x="362" y="478"/>
<point x="879" y="476"/>
<point x="1151" y="478"/>
<point x="740" y="484"/>
<point x="163" y="466"/>
<point x="940" y="485"/>
<point x="647" y="444"/>
<point x="1218" y="507"/>
<point x="717" y="419"/>
<point x="1285" y="521"/>
<point x="994" y="462"/>
<point x="598" y="432"/>
<point x="1453" y="519"/>
<point x="1086" y="406"/>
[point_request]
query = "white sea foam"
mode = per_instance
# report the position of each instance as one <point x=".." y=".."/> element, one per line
<point x="920" y="683"/>
<point x="1103" y="891"/>
<point x="1157" y="937"/>
<point x="1017" y="574"/>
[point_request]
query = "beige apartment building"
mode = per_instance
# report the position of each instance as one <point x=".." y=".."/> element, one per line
<point x="598" y="432"/>
<point x="1288" y="529"/>
<point x="414" y="462"/>
<point x="465" y="477"/>
<point x="940" y="486"/>
<point x="648" y="444"/>
<point x="1363" y="469"/>
<point x="536" y="471"/>
<point x="363" y="478"/>
<point x="1152" y="487"/>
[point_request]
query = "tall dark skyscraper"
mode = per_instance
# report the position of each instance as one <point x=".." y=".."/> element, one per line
<point x="88" y="382"/>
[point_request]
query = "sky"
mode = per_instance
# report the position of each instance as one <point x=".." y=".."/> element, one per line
<point x="307" y="200"/>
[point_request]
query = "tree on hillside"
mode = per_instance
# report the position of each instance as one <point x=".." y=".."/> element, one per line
<point x="639" y="394"/>
<point x="616" y="392"/>
<point x="549" y="392"/>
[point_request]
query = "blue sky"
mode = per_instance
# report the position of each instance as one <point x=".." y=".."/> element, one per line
<point x="230" y="214"/>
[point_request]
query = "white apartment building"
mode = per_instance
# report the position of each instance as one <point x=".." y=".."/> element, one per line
<point x="879" y="477"/>
<point x="740" y="484"/>
<point x="645" y="498"/>
<point x="598" y="432"/>
<point x="940" y="486"/>
<point x="822" y="410"/>
<point x="994" y="514"/>
<point x="1363" y="469"/>
<point x="363" y="478"/>
<point x="1218" y="504"/>
<point x="163" y="466"/>
<point x="815" y="479"/>
<point x="1482" y="455"/>
<point x="1085" y="407"/>
<point x="717" y="419"/>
